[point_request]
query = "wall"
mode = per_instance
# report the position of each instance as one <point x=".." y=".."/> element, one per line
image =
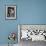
<point x="33" y="12"/>
<point x="7" y="26"/>
<point x="28" y="12"/>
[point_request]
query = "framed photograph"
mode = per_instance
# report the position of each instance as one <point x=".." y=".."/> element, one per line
<point x="33" y="32"/>
<point x="10" y="12"/>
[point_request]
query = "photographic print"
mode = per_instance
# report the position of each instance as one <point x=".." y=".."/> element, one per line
<point x="32" y="32"/>
<point x="10" y="11"/>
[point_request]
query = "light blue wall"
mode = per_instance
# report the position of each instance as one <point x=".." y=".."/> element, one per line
<point x="28" y="12"/>
<point x="33" y="11"/>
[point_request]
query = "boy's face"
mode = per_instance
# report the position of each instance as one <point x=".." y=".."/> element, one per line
<point x="11" y="11"/>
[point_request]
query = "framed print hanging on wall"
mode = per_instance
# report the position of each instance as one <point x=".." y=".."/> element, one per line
<point x="10" y="12"/>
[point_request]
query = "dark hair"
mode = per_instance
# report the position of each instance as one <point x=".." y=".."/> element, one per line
<point x="11" y="8"/>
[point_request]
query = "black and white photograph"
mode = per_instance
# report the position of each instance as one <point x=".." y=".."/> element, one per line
<point x="10" y="11"/>
<point x="31" y="34"/>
